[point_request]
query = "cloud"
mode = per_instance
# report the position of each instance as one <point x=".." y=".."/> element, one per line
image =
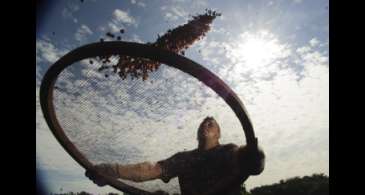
<point x="45" y="155"/>
<point x="297" y="1"/>
<point x="119" y="20"/>
<point x="69" y="10"/>
<point x="58" y="169"/>
<point x="290" y="116"/>
<point x="173" y="13"/>
<point x="134" y="38"/>
<point x="82" y="33"/>
<point x="47" y="52"/>
<point x="122" y="16"/>
<point x="139" y="3"/>
<point x="114" y="28"/>
<point x="303" y="50"/>
<point x="249" y="55"/>
<point x="209" y="54"/>
<point x="313" y="42"/>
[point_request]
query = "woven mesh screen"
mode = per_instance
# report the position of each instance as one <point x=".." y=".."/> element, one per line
<point x="115" y="120"/>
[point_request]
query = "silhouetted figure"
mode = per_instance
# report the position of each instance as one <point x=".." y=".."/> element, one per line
<point x="211" y="168"/>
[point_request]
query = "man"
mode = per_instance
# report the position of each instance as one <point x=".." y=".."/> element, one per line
<point x="212" y="168"/>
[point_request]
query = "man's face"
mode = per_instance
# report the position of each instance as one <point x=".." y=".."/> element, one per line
<point x="210" y="128"/>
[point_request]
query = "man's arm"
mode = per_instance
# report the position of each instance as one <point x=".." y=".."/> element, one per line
<point x="164" y="170"/>
<point x="139" y="172"/>
<point x="135" y="172"/>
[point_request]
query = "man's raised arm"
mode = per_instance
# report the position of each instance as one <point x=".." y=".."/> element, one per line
<point x="135" y="172"/>
<point x="139" y="172"/>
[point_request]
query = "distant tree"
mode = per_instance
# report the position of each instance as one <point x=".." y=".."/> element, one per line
<point x="317" y="184"/>
<point x="83" y="193"/>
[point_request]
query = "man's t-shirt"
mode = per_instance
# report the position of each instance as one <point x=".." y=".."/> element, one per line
<point x="199" y="171"/>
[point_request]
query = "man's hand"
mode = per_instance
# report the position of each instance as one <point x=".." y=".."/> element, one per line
<point x="107" y="169"/>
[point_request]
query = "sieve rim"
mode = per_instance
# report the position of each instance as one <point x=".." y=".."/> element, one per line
<point x="134" y="50"/>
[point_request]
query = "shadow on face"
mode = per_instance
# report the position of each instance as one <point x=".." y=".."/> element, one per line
<point x="208" y="129"/>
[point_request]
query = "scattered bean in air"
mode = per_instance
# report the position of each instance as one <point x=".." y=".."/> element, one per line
<point x="176" y="40"/>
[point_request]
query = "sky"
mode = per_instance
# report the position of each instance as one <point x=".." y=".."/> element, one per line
<point x="273" y="54"/>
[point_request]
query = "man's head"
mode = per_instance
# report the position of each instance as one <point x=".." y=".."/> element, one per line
<point x="208" y="129"/>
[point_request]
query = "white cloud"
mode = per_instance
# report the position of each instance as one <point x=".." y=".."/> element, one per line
<point x="258" y="54"/>
<point x="47" y="146"/>
<point x="302" y="50"/>
<point x="134" y="38"/>
<point x="178" y="11"/>
<point x="309" y="55"/>
<point x="212" y="52"/>
<point x="122" y="16"/>
<point x="170" y="16"/>
<point x="141" y="4"/>
<point x="290" y="117"/>
<point x="46" y="51"/>
<point x="102" y="28"/>
<point x="82" y="33"/>
<point x="119" y="21"/>
<point x="174" y="13"/>
<point x="314" y="42"/>
<point x="200" y="4"/>
<point x="164" y="7"/>
<point x="114" y="28"/>
<point x="66" y="13"/>
<point x="57" y="166"/>
<point x="69" y="10"/>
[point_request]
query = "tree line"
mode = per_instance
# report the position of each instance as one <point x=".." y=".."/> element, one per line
<point x="316" y="184"/>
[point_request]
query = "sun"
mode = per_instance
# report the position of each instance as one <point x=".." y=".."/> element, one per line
<point x="256" y="50"/>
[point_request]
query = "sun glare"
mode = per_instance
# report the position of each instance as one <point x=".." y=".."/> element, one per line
<point x="257" y="50"/>
<point x="254" y="51"/>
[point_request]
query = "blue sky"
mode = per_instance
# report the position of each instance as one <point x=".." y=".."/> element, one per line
<point x="273" y="54"/>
